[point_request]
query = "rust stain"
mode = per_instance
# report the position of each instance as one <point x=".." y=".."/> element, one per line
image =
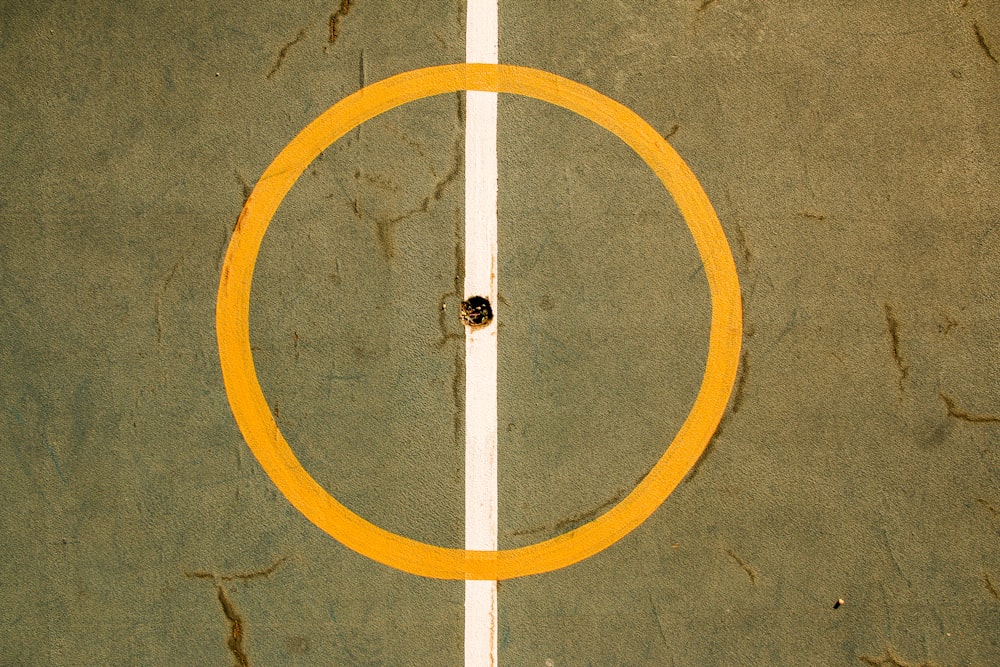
<point x="336" y="17"/>
<point x="235" y="642"/>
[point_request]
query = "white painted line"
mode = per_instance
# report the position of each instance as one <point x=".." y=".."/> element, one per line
<point x="481" y="45"/>
<point x="482" y="31"/>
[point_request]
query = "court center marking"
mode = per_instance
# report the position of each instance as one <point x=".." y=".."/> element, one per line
<point x="481" y="503"/>
<point x="276" y="457"/>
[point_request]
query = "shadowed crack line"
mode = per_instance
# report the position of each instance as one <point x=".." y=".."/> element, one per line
<point x="575" y="519"/>
<point x="656" y="616"/>
<point x="982" y="42"/>
<point x="743" y="564"/>
<point x="708" y="449"/>
<point x="741" y="380"/>
<point x="584" y="516"/>
<point x="990" y="586"/>
<point x="958" y="413"/>
<point x="158" y="302"/>
<point x="741" y="242"/>
<point x="892" y="324"/>
<point x="244" y="186"/>
<point x="284" y="53"/>
<point x="989" y="508"/>
<point x="892" y="557"/>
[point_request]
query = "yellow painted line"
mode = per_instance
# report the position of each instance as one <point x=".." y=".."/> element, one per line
<point x="279" y="461"/>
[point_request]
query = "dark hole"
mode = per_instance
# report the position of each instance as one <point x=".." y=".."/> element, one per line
<point x="476" y="311"/>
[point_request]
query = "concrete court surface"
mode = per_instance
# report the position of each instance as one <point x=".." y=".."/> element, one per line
<point x="852" y="152"/>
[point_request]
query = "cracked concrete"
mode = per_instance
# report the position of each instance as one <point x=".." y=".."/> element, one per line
<point x="981" y="40"/>
<point x="236" y="624"/>
<point x="385" y="228"/>
<point x="892" y="326"/>
<point x="283" y="53"/>
<point x="990" y="586"/>
<point x="334" y="23"/>
<point x="848" y="150"/>
<point x="238" y="576"/>
<point x="889" y="657"/>
<point x="750" y="572"/>
<point x="236" y="638"/>
<point x="955" y="412"/>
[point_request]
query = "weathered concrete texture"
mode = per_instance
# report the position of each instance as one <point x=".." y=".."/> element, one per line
<point x="132" y="134"/>
<point x="850" y="150"/>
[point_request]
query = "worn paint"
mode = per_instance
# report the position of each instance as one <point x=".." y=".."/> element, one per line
<point x="276" y="456"/>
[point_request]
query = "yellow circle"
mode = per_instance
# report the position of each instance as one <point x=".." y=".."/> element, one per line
<point x="276" y="457"/>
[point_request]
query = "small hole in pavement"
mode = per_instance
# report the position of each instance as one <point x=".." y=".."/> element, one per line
<point x="476" y="311"/>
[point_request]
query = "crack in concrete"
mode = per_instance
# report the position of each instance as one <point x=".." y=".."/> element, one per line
<point x="708" y="450"/>
<point x="158" y="301"/>
<point x="741" y="242"/>
<point x="237" y="634"/>
<point x="956" y="412"/>
<point x="737" y="402"/>
<point x="458" y="398"/>
<point x="244" y="186"/>
<point x="235" y="642"/>
<point x="989" y="507"/>
<point x="656" y="617"/>
<point x="239" y="576"/>
<point x="892" y="556"/>
<point x="990" y="586"/>
<point x="890" y="658"/>
<point x="743" y="564"/>
<point x="385" y="229"/>
<point x="283" y="53"/>
<point x="584" y="516"/>
<point x="336" y="17"/>
<point x="741" y="380"/>
<point x="443" y="321"/>
<point x="892" y="324"/>
<point x="576" y="518"/>
<point x="982" y="42"/>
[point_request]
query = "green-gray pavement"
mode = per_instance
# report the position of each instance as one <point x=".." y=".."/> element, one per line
<point x="850" y="151"/>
